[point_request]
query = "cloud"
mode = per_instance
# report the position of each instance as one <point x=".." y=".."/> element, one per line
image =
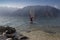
<point x="56" y="6"/>
<point x="16" y="5"/>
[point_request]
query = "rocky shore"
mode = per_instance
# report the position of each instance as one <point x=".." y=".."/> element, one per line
<point x="10" y="33"/>
<point x="32" y="34"/>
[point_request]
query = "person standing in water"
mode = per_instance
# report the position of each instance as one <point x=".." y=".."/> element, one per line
<point x="31" y="15"/>
<point x="31" y="20"/>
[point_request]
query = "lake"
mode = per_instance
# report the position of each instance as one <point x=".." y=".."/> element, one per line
<point x="24" y="23"/>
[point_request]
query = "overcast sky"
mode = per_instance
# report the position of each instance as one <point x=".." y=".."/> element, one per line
<point x="22" y="3"/>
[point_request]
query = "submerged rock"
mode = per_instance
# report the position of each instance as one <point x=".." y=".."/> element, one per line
<point x="9" y="33"/>
<point x="24" y="38"/>
<point x="2" y="29"/>
<point x="9" y="39"/>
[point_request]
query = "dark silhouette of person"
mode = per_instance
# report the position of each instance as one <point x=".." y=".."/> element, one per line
<point x="31" y="20"/>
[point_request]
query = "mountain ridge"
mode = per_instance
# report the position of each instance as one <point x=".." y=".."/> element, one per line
<point x="39" y="11"/>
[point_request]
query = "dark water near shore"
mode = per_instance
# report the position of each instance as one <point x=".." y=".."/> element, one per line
<point x="23" y="22"/>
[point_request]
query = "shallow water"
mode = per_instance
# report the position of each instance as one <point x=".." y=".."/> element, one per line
<point x="23" y="22"/>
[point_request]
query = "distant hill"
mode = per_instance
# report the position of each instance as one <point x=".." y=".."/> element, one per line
<point x="39" y="11"/>
<point x="7" y="11"/>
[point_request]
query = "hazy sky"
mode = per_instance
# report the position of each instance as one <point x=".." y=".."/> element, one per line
<point x="22" y="3"/>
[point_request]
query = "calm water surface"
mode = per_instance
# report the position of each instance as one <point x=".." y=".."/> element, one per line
<point x="23" y="22"/>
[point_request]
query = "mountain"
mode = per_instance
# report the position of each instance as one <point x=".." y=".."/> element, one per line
<point x="6" y="11"/>
<point x="39" y="11"/>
